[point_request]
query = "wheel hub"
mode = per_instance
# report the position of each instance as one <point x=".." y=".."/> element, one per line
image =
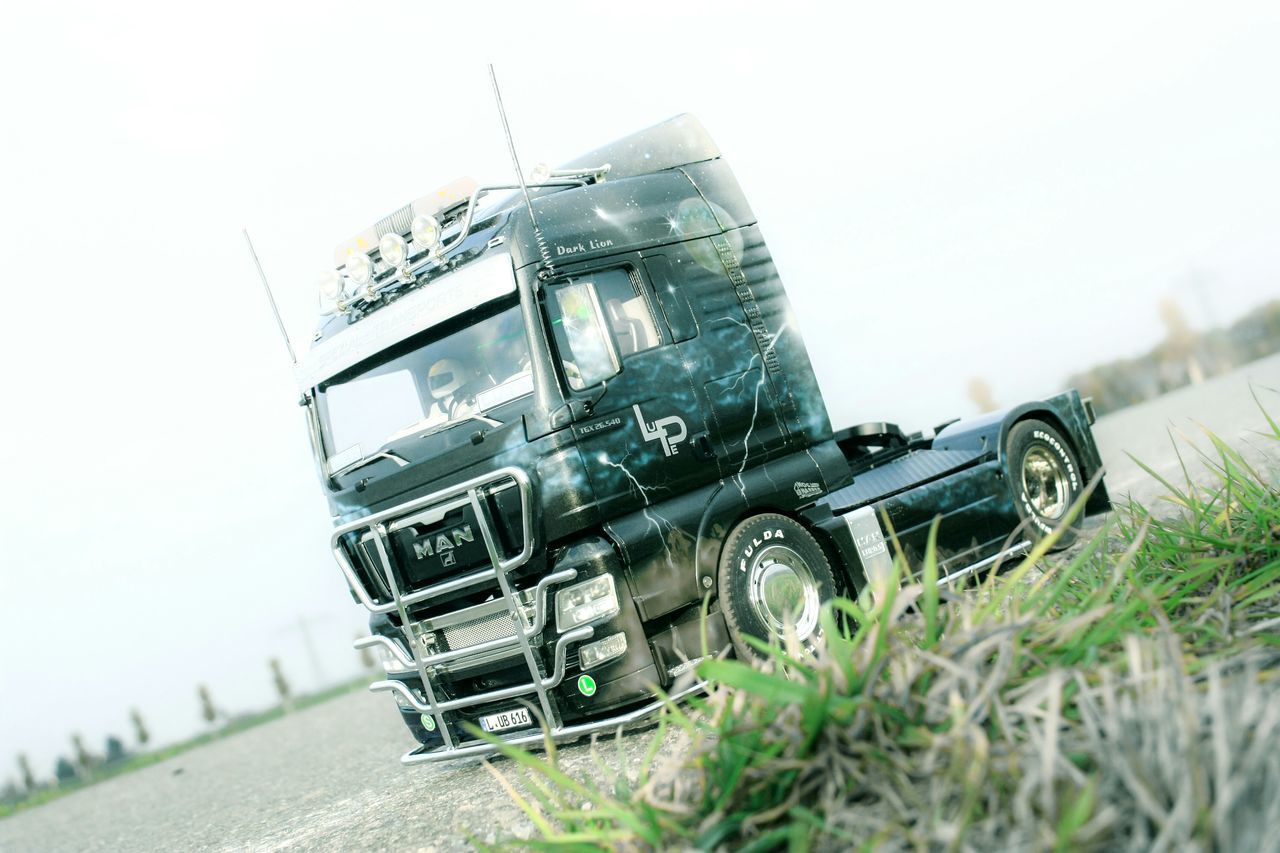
<point x="1044" y="482"/>
<point x="783" y="593"/>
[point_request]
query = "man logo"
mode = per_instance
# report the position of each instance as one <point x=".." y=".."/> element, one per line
<point x="443" y="544"/>
<point x="670" y="431"/>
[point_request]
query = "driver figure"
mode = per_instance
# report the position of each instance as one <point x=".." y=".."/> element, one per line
<point x="449" y="382"/>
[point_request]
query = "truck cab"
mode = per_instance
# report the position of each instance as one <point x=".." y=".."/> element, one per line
<point x="572" y="443"/>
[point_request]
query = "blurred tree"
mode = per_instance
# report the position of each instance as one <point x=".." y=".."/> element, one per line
<point x="1180" y="343"/>
<point x="980" y="394"/>
<point x="139" y="727"/>
<point x="85" y="760"/>
<point x="11" y="793"/>
<point x="24" y="768"/>
<point x="115" y="750"/>
<point x="64" y="771"/>
<point x="281" y="683"/>
<point x="367" y="660"/>
<point x="207" y="711"/>
<point x="1182" y="357"/>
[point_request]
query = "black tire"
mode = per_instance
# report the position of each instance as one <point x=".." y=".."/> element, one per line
<point x="772" y="567"/>
<point x="1045" y="480"/>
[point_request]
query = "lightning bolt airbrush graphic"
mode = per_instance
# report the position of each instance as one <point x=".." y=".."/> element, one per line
<point x="656" y="521"/>
<point x="641" y="489"/>
<point x="772" y="342"/>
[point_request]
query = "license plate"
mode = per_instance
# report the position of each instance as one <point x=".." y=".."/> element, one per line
<point x="513" y="719"/>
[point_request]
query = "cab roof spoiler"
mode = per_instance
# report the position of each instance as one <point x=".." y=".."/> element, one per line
<point x="676" y="142"/>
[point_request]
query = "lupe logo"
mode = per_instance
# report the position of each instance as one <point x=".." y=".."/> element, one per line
<point x="670" y="431"/>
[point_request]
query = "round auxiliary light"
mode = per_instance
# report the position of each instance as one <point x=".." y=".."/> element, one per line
<point x="426" y="231"/>
<point x="331" y="286"/>
<point x="360" y="268"/>
<point x="541" y="174"/>
<point x="393" y="249"/>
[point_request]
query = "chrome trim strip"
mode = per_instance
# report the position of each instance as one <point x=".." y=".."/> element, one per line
<point x="421" y="756"/>
<point x="1021" y="548"/>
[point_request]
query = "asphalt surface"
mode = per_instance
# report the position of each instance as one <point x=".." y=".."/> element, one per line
<point x="328" y="778"/>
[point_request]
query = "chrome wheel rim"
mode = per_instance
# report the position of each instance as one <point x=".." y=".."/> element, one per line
<point x="783" y="593"/>
<point x="1044" y="482"/>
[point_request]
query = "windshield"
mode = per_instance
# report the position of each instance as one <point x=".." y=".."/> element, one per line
<point x="463" y="376"/>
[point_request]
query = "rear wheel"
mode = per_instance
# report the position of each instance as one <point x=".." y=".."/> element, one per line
<point x="774" y="579"/>
<point x="1045" y="478"/>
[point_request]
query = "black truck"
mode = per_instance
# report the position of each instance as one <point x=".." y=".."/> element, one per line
<point x="557" y="425"/>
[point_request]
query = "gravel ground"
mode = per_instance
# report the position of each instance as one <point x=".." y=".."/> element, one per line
<point x="328" y="778"/>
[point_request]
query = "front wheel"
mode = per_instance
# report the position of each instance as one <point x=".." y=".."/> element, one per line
<point x="1045" y="478"/>
<point x="774" y="579"/>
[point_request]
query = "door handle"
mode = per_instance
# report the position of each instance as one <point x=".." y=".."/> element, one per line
<point x="703" y="448"/>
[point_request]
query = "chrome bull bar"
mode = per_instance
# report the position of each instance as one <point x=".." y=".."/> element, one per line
<point x="472" y="492"/>
<point x="542" y="684"/>
<point x="441" y="502"/>
<point x="531" y="631"/>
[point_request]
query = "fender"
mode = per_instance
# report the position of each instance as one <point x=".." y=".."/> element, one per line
<point x="989" y="433"/>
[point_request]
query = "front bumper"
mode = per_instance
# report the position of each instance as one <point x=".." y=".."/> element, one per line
<point x="425" y="754"/>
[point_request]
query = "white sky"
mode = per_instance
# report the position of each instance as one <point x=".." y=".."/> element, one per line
<point x="947" y="192"/>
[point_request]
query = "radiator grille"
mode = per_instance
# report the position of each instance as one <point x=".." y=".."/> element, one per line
<point x="494" y="627"/>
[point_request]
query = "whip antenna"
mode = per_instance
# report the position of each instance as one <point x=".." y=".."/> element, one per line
<point x="270" y="298"/>
<point x="511" y="146"/>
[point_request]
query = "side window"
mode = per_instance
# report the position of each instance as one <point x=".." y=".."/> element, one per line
<point x="577" y="320"/>
<point x="627" y="312"/>
<point x="598" y="320"/>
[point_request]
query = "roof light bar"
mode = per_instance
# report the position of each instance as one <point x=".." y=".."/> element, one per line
<point x="393" y="250"/>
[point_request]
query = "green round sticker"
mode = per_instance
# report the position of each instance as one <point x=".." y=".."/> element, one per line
<point x="586" y="685"/>
<point x="428" y="722"/>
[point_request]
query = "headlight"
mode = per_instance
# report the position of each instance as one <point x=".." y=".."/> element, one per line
<point x="594" y="654"/>
<point x="541" y="174"/>
<point x="425" y="230"/>
<point x="586" y="602"/>
<point x="331" y="286"/>
<point x="360" y="268"/>
<point x="393" y="249"/>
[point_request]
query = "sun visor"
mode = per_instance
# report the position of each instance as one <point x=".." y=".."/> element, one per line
<point x="431" y="304"/>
